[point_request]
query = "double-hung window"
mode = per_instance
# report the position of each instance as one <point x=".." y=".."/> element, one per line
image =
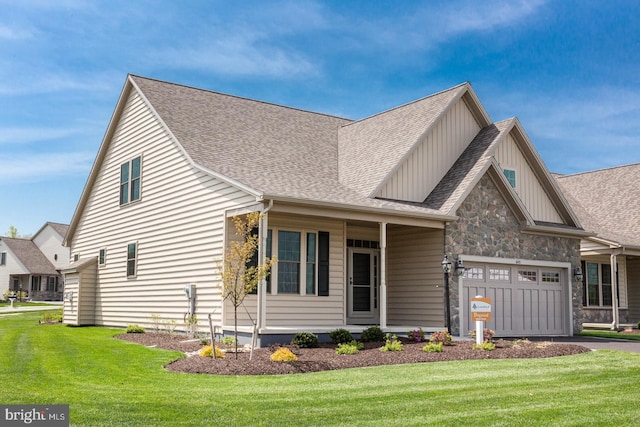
<point x="132" y="259"/>
<point x="130" y="180"/>
<point x="597" y="287"/>
<point x="3" y="258"/>
<point x="303" y="262"/>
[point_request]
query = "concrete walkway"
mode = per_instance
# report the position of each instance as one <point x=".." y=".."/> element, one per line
<point x="595" y="343"/>
<point x="54" y="305"/>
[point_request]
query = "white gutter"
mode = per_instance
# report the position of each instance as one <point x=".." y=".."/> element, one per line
<point x="262" y="256"/>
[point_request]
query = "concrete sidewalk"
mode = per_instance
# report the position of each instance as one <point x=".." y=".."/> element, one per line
<point x="595" y="343"/>
<point x="54" y="305"/>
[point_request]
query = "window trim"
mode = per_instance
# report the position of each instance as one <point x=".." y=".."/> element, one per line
<point x="128" y="185"/>
<point x="102" y="257"/>
<point x="134" y="260"/>
<point x="513" y="184"/>
<point x="599" y="286"/>
<point x="320" y="263"/>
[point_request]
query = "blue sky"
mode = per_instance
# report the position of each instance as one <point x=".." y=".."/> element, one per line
<point x="569" y="70"/>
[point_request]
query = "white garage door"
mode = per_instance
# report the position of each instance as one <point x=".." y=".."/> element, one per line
<point x="526" y="300"/>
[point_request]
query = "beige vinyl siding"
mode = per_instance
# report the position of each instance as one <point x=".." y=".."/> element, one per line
<point x="421" y="171"/>
<point x="71" y="307"/>
<point x="293" y="310"/>
<point x="528" y="187"/>
<point x="177" y="224"/>
<point x="415" y="295"/>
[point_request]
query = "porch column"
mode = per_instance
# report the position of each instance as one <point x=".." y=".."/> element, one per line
<point x="262" y="257"/>
<point x="614" y="292"/>
<point x="383" y="275"/>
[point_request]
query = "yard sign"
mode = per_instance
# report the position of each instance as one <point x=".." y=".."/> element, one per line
<point x="480" y="309"/>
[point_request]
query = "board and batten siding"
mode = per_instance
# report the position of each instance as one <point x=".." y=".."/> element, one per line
<point x="178" y="225"/>
<point x="421" y="171"/>
<point x="633" y="289"/>
<point x="415" y="295"/>
<point x="528" y="187"/>
<point x="300" y="311"/>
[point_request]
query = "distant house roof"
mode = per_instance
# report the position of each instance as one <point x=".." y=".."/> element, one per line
<point x="607" y="201"/>
<point x="30" y="256"/>
<point x="61" y="229"/>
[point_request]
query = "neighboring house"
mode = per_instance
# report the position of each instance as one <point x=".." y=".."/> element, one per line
<point x="33" y="265"/>
<point x="607" y="202"/>
<point x="358" y="213"/>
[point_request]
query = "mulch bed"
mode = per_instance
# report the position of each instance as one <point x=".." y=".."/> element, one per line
<point x="325" y="358"/>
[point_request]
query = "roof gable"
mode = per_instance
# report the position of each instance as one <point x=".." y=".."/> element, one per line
<point x="372" y="149"/>
<point x="30" y="256"/>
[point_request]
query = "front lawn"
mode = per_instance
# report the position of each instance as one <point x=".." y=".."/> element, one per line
<point x="110" y="382"/>
<point x="609" y="334"/>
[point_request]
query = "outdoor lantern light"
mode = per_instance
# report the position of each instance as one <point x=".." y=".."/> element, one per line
<point x="578" y="274"/>
<point x="459" y="268"/>
<point x="446" y="268"/>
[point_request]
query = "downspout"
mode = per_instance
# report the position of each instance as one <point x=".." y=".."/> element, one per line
<point x="614" y="292"/>
<point x="383" y="275"/>
<point x="262" y="256"/>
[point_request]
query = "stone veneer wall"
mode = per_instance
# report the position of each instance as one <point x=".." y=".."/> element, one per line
<point x="487" y="227"/>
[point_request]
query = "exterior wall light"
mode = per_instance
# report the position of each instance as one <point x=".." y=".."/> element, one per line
<point x="577" y="273"/>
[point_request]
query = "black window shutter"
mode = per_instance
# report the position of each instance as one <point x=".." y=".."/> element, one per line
<point x="323" y="263"/>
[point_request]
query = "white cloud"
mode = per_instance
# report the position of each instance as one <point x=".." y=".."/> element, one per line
<point x="33" y="167"/>
<point x="29" y="135"/>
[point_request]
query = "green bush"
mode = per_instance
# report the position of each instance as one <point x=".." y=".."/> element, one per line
<point x="372" y="334"/>
<point x="392" y="344"/>
<point x="305" y="340"/>
<point x="433" y="347"/>
<point x="486" y="346"/>
<point x="340" y="336"/>
<point x="349" y="348"/>
<point x="228" y="341"/>
<point x="416" y="335"/>
<point x="134" y="329"/>
<point x="443" y="337"/>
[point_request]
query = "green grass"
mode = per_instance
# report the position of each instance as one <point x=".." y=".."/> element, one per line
<point x="109" y="382"/>
<point x="23" y="304"/>
<point x="609" y="334"/>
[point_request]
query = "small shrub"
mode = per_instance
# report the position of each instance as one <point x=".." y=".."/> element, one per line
<point x="170" y="326"/>
<point x="487" y="334"/>
<point x="349" y="348"/>
<point x="433" y="347"/>
<point x="305" y="340"/>
<point x="392" y="344"/>
<point x="156" y="321"/>
<point x="207" y="351"/>
<point x="228" y="341"/>
<point x="638" y="325"/>
<point x="340" y="336"/>
<point x="372" y="334"/>
<point x="486" y="346"/>
<point x="443" y="337"/>
<point x="134" y="329"/>
<point x="204" y="338"/>
<point x="191" y="326"/>
<point x="416" y="335"/>
<point x="283" y="354"/>
<point x="51" y="316"/>
<point x="520" y="343"/>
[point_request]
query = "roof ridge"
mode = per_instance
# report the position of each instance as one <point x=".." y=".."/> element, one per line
<point x="408" y="103"/>
<point x="598" y="170"/>
<point x="244" y="98"/>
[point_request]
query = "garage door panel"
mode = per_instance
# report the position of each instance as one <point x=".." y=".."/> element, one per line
<point x="528" y="301"/>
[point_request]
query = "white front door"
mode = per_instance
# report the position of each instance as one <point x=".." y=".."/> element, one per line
<point x="363" y="278"/>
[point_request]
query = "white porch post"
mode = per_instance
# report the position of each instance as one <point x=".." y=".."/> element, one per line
<point x="262" y="257"/>
<point x="614" y="293"/>
<point x="383" y="275"/>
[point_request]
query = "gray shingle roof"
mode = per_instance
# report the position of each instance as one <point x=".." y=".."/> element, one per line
<point x="279" y="151"/>
<point x="607" y="201"/>
<point x="61" y="229"/>
<point x="30" y="256"/>
<point x="371" y="148"/>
